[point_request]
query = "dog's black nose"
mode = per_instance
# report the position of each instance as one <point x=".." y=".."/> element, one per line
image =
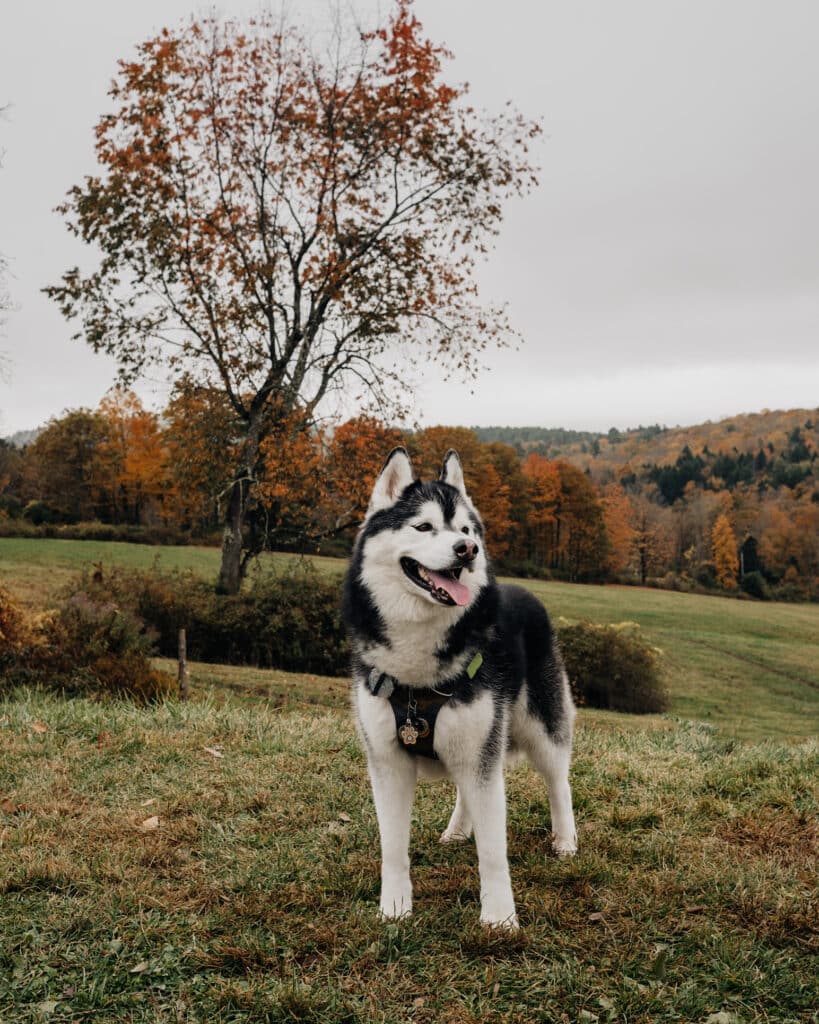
<point x="466" y="550"/>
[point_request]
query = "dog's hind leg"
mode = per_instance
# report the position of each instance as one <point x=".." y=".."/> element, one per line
<point x="459" y="828"/>
<point x="552" y="759"/>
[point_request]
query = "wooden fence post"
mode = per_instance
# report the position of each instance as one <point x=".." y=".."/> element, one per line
<point x="183" y="665"/>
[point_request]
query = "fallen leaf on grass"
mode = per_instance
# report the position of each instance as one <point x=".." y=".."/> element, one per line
<point x="39" y="728"/>
<point x="147" y="803"/>
<point x="140" y="968"/>
<point x="8" y="806"/>
<point x="698" y="909"/>
<point x="598" y="916"/>
<point x="344" y="817"/>
<point x="47" y="1007"/>
<point x="149" y="824"/>
<point x="213" y="751"/>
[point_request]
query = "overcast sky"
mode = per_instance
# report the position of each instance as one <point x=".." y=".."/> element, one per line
<point x="666" y="269"/>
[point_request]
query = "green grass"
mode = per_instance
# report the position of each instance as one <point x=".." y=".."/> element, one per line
<point x="254" y="897"/>
<point x="34" y="569"/>
<point x="752" y="669"/>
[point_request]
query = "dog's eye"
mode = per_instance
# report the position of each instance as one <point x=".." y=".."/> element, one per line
<point x="423" y="527"/>
<point x="464" y="529"/>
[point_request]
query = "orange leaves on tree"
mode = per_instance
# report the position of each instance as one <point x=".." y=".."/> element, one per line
<point x="724" y="544"/>
<point x="618" y="516"/>
<point x="134" y="455"/>
<point x="356" y="451"/>
<point x="270" y="221"/>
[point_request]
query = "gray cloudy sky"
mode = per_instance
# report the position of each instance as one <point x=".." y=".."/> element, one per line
<point x="666" y="270"/>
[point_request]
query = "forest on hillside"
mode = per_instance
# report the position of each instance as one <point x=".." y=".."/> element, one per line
<point x="730" y="506"/>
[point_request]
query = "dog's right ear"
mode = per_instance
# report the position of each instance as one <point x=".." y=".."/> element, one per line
<point x="394" y="477"/>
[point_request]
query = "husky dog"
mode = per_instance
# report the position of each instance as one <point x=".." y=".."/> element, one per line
<point x="451" y="673"/>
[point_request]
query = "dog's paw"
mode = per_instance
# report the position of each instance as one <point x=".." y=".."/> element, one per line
<point x="504" y="924"/>
<point x="498" y="909"/>
<point x="563" y="847"/>
<point x="395" y="904"/>
<point x="455" y="835"/>
<point x="395" y="913"/>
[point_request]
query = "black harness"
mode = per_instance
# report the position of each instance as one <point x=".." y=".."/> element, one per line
<point x="416" y="708"/>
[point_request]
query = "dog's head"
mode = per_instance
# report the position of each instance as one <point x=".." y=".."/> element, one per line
<point x="423" y="541"/>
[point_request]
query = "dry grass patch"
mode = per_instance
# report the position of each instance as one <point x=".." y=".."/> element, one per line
<point x="220" y="863"/>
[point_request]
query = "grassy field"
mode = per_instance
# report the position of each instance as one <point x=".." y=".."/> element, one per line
<point x="217" y="861"/>
<point x="204" y="863"/>
<point x="750" y="668"/>
<point x="35" y="569"/>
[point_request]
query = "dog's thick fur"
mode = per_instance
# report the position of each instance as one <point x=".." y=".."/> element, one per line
<point x="420" y="603"/>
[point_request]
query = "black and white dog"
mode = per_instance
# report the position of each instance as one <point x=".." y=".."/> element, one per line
<point x="452" y="672"/>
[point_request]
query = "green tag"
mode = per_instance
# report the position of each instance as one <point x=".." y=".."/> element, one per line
<point x="474" y="665"/>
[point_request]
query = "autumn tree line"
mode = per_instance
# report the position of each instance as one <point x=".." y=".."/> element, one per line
<point x="280" y="214"/>
<point x="700" y="521"/>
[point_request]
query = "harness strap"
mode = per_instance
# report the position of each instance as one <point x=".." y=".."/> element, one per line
<point x="416" y="708"/>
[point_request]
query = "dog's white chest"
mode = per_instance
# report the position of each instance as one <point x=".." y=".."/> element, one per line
<point x="411" y="658"/>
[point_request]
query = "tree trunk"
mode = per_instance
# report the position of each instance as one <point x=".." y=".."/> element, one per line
<point x="230" y="571"/>
<point x="233" y="567"/>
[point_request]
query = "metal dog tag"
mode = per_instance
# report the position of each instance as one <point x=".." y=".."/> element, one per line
<point x="408" y="733"/>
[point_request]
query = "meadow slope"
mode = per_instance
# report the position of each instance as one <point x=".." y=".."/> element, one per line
<point x="750" y="668"/>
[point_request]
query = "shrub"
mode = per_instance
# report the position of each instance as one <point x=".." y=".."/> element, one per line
<point x="39" y="512"/>
<point x="18" y="528"/>
<point x="93" y="530"/>
<point x="611" y="667"/>
<point x="705" y="574"/>
<point x="524" y="569"/>
<point x="86" y="646"/>
<point x="14" y="629"/>
<point x="755" y="584"/>
<point x="290" y="621"/>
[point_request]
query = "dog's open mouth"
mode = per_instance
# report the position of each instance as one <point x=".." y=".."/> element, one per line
<point x="444" y="584"/>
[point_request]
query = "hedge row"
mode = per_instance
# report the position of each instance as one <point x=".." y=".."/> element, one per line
<point x="158" y="535"/>
<point x="109" y="623"/>
<point x="290" y="620"/>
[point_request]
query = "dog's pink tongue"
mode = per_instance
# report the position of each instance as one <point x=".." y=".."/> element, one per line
<point x="456" y="590"/>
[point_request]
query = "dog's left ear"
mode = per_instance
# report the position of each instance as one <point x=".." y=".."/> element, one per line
<point x="452" y="472"/>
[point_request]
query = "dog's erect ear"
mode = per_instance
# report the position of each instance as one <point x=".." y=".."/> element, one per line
<point x="452" y="472"/>
<point x="394" y="477"/>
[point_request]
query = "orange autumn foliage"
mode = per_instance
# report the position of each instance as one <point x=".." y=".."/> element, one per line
<point x="135" y="458"/>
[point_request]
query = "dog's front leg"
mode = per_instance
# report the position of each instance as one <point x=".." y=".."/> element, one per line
<point x="485" y="800"/>
<point x="393" y="782"/>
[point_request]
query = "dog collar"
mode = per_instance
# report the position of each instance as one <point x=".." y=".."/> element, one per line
<point x="416" y="708"/>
